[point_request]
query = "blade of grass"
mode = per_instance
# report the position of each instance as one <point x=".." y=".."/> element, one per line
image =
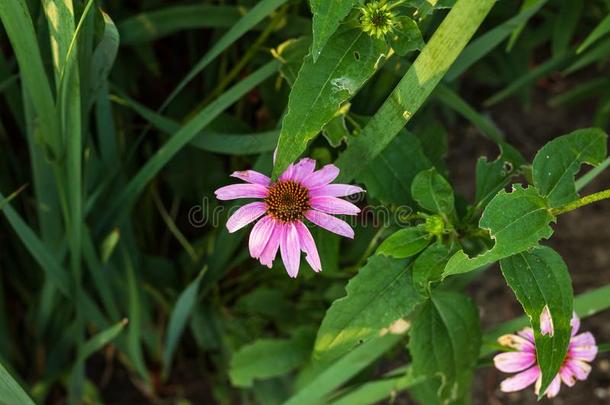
<point x="416" y="85"/>
<point x="100" y="340"/>
<point x="120" y="207"/>
<point x="10" y="391"/>
<point x="599" y="31"/>
<point x="592" y="174"/>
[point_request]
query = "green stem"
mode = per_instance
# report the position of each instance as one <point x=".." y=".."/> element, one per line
<point x="586" y="200"/>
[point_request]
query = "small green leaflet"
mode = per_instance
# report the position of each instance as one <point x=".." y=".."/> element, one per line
<point x="433" y="193"/>
<point x="380" y="294"/>
<point x="445" y="342"/>
<point x="267" y="358"/>
<point x="405" y="243"/>
<point x="516" y="221"/>
<point x="406" y="36"/>
<point x="540" y="278"/>
<point x="347" y="61"/>
<point x="388" y="178"/>
<point x="556" y="164"/>
<point x="327" y="16"/>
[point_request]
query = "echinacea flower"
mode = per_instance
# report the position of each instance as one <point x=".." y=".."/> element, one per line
<point x="300" y="193"/>
<point x="581" y="351"/>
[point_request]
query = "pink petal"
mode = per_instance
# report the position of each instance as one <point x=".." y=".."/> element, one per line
<point x="253" y="177"/>
<point x="330" y="223"/>
<point x="546" y="322"/>
<point x="580" y="369"/>
<point x="520" y="381"/>
<point x="303" y="169"/>
<point x="308" y="245"/>
<point x="321" y="177"/>
<point x="290" y="249"/>
<point x="261" y="232"/>
<point x="575" y="323"/>
<point x="235" y="191"/>
<point x="527" y="333"/>
<point x="333" y="205"/>
<point x="516" y="342"/>
<point x="511" y="362"/>
<point x="245" y="215"/>
<point x="554" y="387"/>
<point x="270" y="251"/>
<point x="336" y="190"/>
<point x="288" y="173"/>
<point x="583" y="347"/>
<point x="567" y="376"/>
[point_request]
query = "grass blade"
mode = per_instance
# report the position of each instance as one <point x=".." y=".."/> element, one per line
<point x="10" y="391"/>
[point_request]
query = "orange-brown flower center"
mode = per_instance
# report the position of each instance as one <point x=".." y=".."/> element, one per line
<point x="287" y="201"/>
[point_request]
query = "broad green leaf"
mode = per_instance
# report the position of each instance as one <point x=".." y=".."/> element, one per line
<point x="266" y="358"/>
<point x="491" y="177"/>
<point x="599" y="31"/>
<point x="556" y="164"/>
<point x="433" y="193"/>
<point x="445" y="342"/>
<point x="405" y="243"/>
<point x="342" y="370"/>
<point x="388" y="178"/>
<point x="178" y="319"/>
<point x="416" y="85"/>
<point x="379" y="295"/>
<point x="406" y="36"/>
<point x="149" y="26"/>
<point x="10" y="391"/>
<point x="539" y="279"/>
<point x="121" y="205"/>
<point x="327" y="16"/>
<point x="347" y="61"/>
<point x="429" y="265"/>
<point x="516" y="221"/>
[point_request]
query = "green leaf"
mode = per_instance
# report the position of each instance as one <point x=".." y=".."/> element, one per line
<point x="178" y="319"/>
<point x="103" y="58"/>
<point x="380" y="294"/>
<point x="266" y="358"/>
<point x="406" y="36"/>
<point x="433" y="193"/>
<point x="565" y="24"/>
<point x="348" y="60"/>
<point x="556" y="164"/>
<point x="429" y="265"/>
<point x="340" y="371"/>
<point x="539" y="279"/>
<point x="388" y="178"/>
<point x="414" y="88"/>
<point x="101" y="339"/>
<point x="445" y="342"/>
<point x="405" y="243"/>
<point x="516" y="221"/>
<point x="10" y="391"/>
<point x="327" y="16"/>
<point x="491" y="177"/>
<point x="599" y="31"/>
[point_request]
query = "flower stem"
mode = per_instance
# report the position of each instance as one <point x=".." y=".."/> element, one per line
<point x="586" y="200"/>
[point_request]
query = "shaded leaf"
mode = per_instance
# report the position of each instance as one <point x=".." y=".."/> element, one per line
<point x="433" y="193"/>
<point x="327" y="16"/>
<point x="405" y="242"/>
<point x="429" y="265"/>
<point x="406" y="36"/>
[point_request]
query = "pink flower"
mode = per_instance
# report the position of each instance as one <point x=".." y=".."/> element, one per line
<point x="581" y="351"/>
<point x="299" y="193"/>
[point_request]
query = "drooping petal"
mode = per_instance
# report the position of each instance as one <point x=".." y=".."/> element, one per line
<point x="321" y="177"/>
<point x="245" y="215"/>
<point x="579" y="368"/>
<point x="512" y="362"/>
<point x="516" y="342"/>
<point x="330" y="223"/>
<point x="583" y="347"/>
<point x="520" y="381"/>
<point x="290" y="249"/>
<point x="567" y="376"/>
<point x="259" y="236"/>
<point x="252" y="177"/>
<point x="303" y="169"/>
<point x="235" y="191"/>
<point x="333" y="205"/>
<point x="308" y="245"/>
<point x="273" y="244"/>
<point x="575" y="323"/>
<point x="554" y="387"/>
<point x="546" y="322"/>
<point x="336" y="190"/>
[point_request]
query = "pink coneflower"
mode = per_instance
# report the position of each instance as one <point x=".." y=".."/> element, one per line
<point x="299" y="193"/>
<point x="582" y="349"/>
